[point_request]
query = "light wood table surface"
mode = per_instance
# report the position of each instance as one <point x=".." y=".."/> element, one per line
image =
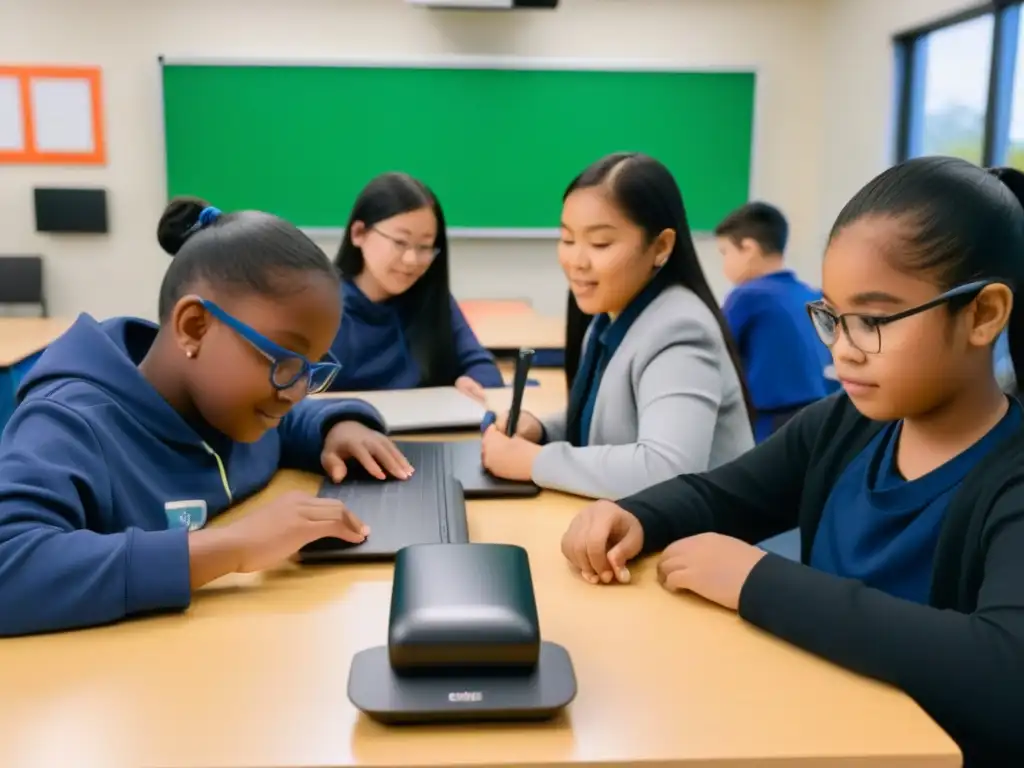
<point x="21" y="337"/>
<point x="254" y="676"/>
<point x="521" y="329"/>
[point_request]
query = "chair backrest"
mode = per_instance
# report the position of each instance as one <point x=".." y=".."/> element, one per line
<point x="21" y="280"/>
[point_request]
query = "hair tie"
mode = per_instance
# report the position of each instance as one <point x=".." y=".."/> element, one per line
<point x="207" y="216"/>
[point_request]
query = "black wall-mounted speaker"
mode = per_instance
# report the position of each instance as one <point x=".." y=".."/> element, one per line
<point x="71" y="211"/>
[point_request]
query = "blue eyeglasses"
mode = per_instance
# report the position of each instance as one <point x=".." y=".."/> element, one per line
<point x="287" y="368"/>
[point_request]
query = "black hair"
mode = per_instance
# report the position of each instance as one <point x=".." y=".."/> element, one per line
<point x="963" y="223"/>
<point x="429" y="329"/>
<point x="247" y="251"/>
<point x="647" y="194"/>
<point x="760" y="222"/>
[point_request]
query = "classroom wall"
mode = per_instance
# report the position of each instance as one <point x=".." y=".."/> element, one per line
<point x="823" y="108"/>
<point x="120" y="273"/>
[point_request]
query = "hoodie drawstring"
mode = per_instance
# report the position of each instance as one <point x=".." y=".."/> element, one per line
<point x="223" y="472"/>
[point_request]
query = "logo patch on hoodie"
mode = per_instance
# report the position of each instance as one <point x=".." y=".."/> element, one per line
<point x="186" y="514"/>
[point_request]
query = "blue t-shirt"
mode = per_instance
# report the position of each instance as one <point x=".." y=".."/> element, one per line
<point x="881" y="529"/>
<point x="783" y="359"/>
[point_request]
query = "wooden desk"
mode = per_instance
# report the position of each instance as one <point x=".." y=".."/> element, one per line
<point x="21" y="338"/>
<point x="254" y="676"/>
<point x="501" y="331"/>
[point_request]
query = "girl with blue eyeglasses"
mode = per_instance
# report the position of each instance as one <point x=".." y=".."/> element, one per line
<point x="130" y="436"/>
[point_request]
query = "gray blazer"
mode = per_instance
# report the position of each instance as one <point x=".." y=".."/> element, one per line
<point x="669" y="403"/>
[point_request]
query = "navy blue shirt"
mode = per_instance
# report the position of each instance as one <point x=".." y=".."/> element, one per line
<point x="783" y="359"/>
<point x="881" y="529"/>
<point x="605" y="337"/>
<point x="372" y="349"/>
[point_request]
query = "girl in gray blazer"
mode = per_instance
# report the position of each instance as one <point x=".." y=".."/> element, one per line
<point x="655" y="386"/>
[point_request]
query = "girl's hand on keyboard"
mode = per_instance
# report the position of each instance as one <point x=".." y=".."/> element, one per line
<point x="375" y="451"/>
<point x="275" y="531"/>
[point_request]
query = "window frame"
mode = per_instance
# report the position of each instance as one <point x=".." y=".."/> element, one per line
<point x="910" y="66"/>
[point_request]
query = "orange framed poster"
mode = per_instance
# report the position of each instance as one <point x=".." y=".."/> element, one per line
<point x="51" y="115"/>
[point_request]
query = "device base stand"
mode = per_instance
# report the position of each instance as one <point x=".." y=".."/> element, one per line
<point x="375" y="689"/>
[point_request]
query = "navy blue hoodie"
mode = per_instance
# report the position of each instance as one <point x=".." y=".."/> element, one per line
<point x="101" y="481"/>
<point x="373" y="352"/>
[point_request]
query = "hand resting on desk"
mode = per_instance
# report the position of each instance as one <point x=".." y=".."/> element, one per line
<point x="600" y="540"/>
<point x="603" y="537"/>
<point x="471" y="388"/>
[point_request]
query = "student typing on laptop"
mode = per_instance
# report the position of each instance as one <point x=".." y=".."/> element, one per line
<point x="130" y="436"/>
<point x="657" y="391"/>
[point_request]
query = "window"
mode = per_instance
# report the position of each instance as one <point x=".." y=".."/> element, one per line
<point x="960" y="88"/>
<point x="957" y="62"/>
<point x="1009" y="128"/>
<point x="950" y="69"/>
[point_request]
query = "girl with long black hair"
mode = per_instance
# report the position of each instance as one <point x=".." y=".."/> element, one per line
<point x="401" y="327"/>
<point x="655" y="385"/>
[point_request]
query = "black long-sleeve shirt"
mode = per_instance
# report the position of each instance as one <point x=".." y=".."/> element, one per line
<point x="961" y="657"/>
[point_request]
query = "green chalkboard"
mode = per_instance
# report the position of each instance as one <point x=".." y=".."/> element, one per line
<point x="498" y="146"/>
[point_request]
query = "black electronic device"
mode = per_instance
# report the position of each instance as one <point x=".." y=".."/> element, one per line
<point x="464" y="642"/>
<point x="71" y="211"/>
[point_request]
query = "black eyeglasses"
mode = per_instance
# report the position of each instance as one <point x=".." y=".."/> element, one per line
<point x="864" y="332"/>
<point x="424" y="253"/>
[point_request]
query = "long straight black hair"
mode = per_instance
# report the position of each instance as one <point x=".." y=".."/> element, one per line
<point x="964" y="224"/>
<point x="429" y="325"/>
<point x="647" y="194"/>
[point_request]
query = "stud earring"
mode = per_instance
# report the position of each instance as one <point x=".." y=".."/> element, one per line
<point x="190" y="354"/>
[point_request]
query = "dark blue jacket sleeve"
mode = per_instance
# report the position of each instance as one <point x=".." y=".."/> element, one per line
<point x="56" y="573"/>
<point x="474" y="361"/>
<point x="303" y="430"/>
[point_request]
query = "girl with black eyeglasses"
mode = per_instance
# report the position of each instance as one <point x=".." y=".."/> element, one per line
<point x="908" y="487"/>
<point x="401" y="327"/>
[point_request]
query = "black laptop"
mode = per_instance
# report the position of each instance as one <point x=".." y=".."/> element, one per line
<point x="461" y="458"/>
<point x="428" y="508"/>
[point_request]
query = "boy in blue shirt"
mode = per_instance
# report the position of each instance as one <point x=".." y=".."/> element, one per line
<point x="130" y="436"/>
<point x="783" y="359"/>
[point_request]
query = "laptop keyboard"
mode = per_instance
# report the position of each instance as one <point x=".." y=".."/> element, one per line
<point x="389" y="504"/>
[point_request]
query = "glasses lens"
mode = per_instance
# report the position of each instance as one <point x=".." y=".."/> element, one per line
<point x="287" y="371"/>
<point x="320" y="378"/>
<point x="826" y="324"/>
<point x="865" y="333"/>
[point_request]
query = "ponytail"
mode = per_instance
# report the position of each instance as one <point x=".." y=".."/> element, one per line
<point x="1014" y="181"/>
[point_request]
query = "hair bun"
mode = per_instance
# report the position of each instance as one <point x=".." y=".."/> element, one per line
<point x="1013" y="179"/>
<point x="181" y="217"/>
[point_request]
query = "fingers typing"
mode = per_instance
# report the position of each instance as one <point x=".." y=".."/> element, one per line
<point x="362" y="454"/>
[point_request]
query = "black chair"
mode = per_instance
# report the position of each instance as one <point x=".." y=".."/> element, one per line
<point x="21" y="281"/>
